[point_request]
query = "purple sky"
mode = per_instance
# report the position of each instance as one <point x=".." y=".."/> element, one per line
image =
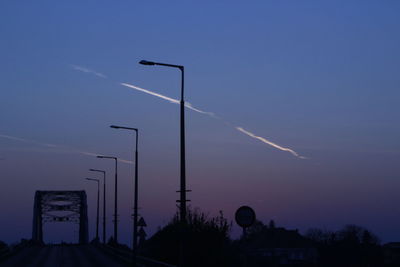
<point x="318" y="78"/>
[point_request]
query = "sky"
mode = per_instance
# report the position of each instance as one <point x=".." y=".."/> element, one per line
<point x="320" y="78"/>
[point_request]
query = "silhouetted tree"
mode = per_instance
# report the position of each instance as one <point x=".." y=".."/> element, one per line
<point x="369" y="239"/>
<point x="352" y="246"/>
<point x="206" y="241"/>
<point x="320" y="236"/>
<point x="351" y="234"/>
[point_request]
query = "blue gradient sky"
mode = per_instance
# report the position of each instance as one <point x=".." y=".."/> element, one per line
<point x="319" y="77"/>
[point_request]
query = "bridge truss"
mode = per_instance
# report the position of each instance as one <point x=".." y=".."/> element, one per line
<point x="60" y="206"/>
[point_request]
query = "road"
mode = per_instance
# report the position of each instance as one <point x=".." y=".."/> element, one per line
<point x="61" y="256"/>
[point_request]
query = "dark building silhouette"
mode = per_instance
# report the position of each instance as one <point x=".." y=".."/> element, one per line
<point x="391" y="254"/>
<point x="277" y="246"/>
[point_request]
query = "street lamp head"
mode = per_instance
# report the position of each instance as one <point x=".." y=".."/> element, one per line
<point x="91" y="179"/>
<point x="122" y="127"/>
<point x="148" y="63"/>
<point x="99" y="157"/>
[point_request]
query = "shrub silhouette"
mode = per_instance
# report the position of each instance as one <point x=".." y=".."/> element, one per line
<point x="206" y="241"/>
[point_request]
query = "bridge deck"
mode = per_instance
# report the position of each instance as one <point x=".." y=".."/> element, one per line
<point x="62" y="256"/>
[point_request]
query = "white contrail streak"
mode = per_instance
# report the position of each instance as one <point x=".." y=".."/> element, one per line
<point x="14" y="138"/>
<point x="86" y="70"/>
<point x="26" y="140"/>
<point x="262" y="139"/>
<point x="169" y="99"/>
<point x="189" y="106"/>
<point x="240" y="129"/>
<point x="59" y="147"/>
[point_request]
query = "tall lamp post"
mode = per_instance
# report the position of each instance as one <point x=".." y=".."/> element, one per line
<point x="104" y="202"/>
<point x="135" y="202"/>
<point x="115" y="197"/>
<point x="182" y="191"/>
<point x="98" y="200"/>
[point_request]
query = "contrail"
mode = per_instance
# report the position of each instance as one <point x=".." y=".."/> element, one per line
<point x="26" y="140"/>
<point x="14" y="138"/>
<point x="169" y="99"/>
<point x="86" y="70"/>
<point x="189" y="106"/>
<point x="262" y="139"/>
<point x="59" y="147"/>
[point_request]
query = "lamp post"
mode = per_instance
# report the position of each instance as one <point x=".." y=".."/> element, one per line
<point x="104" y="202"/>
<point x="98" y="199"/>
<point x="115" y="196"/>
<point x="135" y="202"/>
<point x="182" y="191"/>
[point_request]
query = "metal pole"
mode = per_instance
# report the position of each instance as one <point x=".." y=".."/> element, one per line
<point x="97" y="217"/>
<point x="135" y="197"/>
<point x="104" y="209"/>
<point x="183" y="173"/>
<point x="116" y="203"/>
<point x="135" y="204"/>
<point x="183" y="158"/>
<point x="182" y="201"/>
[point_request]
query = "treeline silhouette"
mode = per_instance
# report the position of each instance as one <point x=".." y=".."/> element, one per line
<point x="351" y="246"/>
<point x="207" y="243"/>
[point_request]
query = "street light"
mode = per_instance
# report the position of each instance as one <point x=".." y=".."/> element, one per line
<point x="104" y="202"/>
<point x="182" y="191"/>
<point x="182" y="138"/>
<point x="98" y="197"/>
<point x="135" y="202"/>
<point x="116" y="196"/>
<point x="148" y="63"/>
